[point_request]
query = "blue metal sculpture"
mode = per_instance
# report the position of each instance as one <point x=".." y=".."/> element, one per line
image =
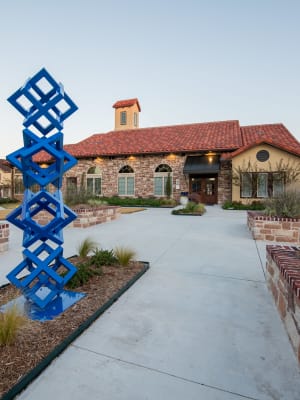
<point x="45" y="105"/>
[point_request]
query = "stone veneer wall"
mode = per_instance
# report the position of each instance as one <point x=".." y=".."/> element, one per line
<point x="225" y="182"/>
<point x="4" y="236"/>
<point x="274" y="229"/>
<point x="283" y="277"/>
<point x="86" y="216"/>
<point x="144" y="170"/>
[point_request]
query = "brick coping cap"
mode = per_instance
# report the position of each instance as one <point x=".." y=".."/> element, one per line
<point x="259" y="216"/>
<point x="288" y="264"/>
<point x="93" y="208"/>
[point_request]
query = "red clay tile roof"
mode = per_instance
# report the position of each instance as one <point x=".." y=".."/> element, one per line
<point x="224" y="136"/>
<point x="167" y="139"/>
<point x="127" y="103"/>
<point x="273" y="134"/>
<point x="276" y="133"/>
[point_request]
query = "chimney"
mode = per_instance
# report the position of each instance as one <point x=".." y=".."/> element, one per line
<point x="127" y="114"/>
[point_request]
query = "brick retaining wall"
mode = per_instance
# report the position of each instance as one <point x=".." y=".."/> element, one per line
<point x="283" y="276"/>
<point x="95" y="215"/>
<point x="274" y="229"/>
<point x="85" y="216"/>
<point x="4" y="235"/>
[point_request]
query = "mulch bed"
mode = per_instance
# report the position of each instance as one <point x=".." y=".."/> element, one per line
<point x="37" y="339"/>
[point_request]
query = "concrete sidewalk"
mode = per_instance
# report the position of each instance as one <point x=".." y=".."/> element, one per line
<point x="200" y="324"/>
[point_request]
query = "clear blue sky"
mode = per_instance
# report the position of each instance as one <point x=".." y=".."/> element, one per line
<point x="186" y="61"/>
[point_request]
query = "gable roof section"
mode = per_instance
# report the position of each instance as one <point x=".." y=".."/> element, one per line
<point x="127" y="103"/>
<point x="275" y="135"/>
<point x="215" y="136"/>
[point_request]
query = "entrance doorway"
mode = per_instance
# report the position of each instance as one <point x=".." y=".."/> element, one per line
<point x="204" y="188"/>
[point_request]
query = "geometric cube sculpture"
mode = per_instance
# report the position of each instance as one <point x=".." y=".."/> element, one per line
<point x="45" y="106"/>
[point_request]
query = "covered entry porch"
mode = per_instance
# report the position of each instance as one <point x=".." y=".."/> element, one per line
<point x="202" y="174"/>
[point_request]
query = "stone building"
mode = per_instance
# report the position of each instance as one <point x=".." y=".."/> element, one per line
<point x="212" y="161"/>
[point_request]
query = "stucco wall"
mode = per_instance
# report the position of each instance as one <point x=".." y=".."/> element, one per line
<point x="271" y="165"/>
<point x="130" y="117"/>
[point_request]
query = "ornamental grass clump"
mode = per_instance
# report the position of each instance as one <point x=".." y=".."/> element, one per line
<point x="11" y="322"/>
<point x="87" y="246"/>
<point x="124" y="255"/>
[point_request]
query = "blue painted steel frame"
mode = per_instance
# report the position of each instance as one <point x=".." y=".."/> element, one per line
<point x="46" y="270"/>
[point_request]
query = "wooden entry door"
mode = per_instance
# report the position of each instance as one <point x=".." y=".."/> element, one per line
<point x="204" y="189"/>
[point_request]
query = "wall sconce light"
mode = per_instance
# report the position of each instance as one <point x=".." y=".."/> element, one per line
<point x="98" y="160"/>
<point x="171" y="156"/>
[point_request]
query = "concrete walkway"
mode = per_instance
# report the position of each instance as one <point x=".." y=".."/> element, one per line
<point x="200" y="324"/>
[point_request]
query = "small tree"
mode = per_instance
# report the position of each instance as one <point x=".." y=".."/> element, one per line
<point x="169" y="186"/>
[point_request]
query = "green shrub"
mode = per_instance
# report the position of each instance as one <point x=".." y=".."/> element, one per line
<point x="169" y="186"/>
<point x="238" y="205"/>
<point x="138" y="201"/>
<point x="6" y="200"/>
<point x="96" y="202"/>
<point x="124" y="255"/>
<point x="200" y="208"/>
<point x="11" y="321"/>
<point x="285" y="205"/>
<point x="227" y="205"/>
<point x="167" y="202"/>
<point x="85" y="247"/>
<point x="103" y="257"/>
<point x="191" y="208"/>
<point x="84" y="272"/>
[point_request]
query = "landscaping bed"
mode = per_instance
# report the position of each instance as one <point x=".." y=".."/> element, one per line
<point x="139" y="201"/>
<point x="40" y="342"/>
<point x="181" y="212"/>
<point x="191" y="208"/>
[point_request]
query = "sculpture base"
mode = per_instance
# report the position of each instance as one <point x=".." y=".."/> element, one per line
<point x="61" y="303"/>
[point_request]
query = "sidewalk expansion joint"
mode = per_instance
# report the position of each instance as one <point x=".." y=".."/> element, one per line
<point x="232" y="277"/>
<point x="238" y="395"/>
<point x="172" y="244"/>
<point x="261" y="263"/>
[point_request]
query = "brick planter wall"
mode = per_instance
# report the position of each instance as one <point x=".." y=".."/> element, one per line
<point x="275" y="229"/>
<point x="4" y="235"/>
<point x="85" y="216"/>
<point x="283" y="276"/>
<point x="95" y="215"/>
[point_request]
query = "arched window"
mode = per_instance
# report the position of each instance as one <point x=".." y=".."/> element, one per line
<point x="126" y="181"/>
<point x="163" y="175"/>
<point x="93" y="181"/>
<point x="163" y="168"/>
<point x="126" y="170"/>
